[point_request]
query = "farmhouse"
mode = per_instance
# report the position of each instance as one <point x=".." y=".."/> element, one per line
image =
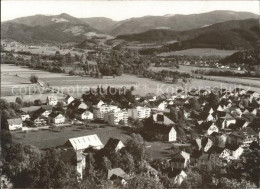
<point x="57" y="118"/>
<point x="15" y="124"/>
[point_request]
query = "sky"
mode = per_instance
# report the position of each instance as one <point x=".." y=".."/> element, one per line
<point x="119" y="10"/>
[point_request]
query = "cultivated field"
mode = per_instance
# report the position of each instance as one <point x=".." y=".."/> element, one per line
<point x="200" y="52"/>
<point x="76" y="85"/>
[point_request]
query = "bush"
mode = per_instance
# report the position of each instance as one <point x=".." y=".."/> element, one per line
<point x="34" y="78"/>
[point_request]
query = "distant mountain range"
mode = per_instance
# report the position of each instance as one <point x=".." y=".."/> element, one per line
<point x="40" y="28"/>
<point x="177" y="22"/>
<point x="228" y="35"/>
<point x="65" y="28"/>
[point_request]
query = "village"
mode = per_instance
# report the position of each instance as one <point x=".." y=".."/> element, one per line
<point x="199" y="124"/>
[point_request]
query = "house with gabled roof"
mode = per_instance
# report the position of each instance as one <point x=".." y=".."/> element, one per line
<point x="84" y="142"/>
<point x="77" y="104"/>
<point x="161" y="119"/>
<point x="84" y="114"/>
<point x="117" y="174"/>
<point x="212" y="129"/>
<point x="44" y="111"/>
<point x="236" y="151"/>
<point x="114" y="144"/>
<point x="57" y="118"/>
<point x="225" y="120"/>
<point x="179" y="176"/>
<point x="69" y="99"/>
<point x="180" y="160"/>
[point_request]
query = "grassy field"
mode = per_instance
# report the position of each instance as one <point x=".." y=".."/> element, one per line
<point x="200" y="52"/>
<point x="189" y="69"/>
<point x="76" y="85"/>
<point x="47" y="50"/>
<point x="44" y="139"/>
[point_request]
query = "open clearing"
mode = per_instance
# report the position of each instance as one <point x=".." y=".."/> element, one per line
<point x="44" y="139"/>
<point x="200" y="52"/>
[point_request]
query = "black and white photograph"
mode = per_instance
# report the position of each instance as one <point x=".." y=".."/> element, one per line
<point x="130" y="94"/>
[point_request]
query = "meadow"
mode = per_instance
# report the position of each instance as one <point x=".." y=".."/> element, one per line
<point x="13" y="76"/>
<point x="47" y="50"/>
<point x="47" y="138"/>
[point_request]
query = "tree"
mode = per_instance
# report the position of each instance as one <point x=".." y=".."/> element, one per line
<point x="19" y="101"/>
<point x="144" y="181"/>
<point x="38" y="102"/>
<point x="34" y="79"/>
<point x="194" y="180"/>
<point x="194" y="104"/>
<point x="60" y="105"/>
<point x="213" y="99"/>
<point x="137" y="147"/>
<point x="105" y="164"/>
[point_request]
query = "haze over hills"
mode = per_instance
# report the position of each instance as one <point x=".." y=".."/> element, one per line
<point x="177" y="22"/>
<point x="100" y="23"/>
<point x="229" y="34"/>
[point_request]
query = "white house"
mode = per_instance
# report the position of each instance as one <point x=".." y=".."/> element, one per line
<point x="85" y="114"/>
<point x="57" y="118"/>
<point x="213" y="128"/>
<point x="69" y="99"/>
<point x="15" y="124"/>
<point x="237" y="152"/>
<point x="52" y="100"/>
<point x="161" y="105"/>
